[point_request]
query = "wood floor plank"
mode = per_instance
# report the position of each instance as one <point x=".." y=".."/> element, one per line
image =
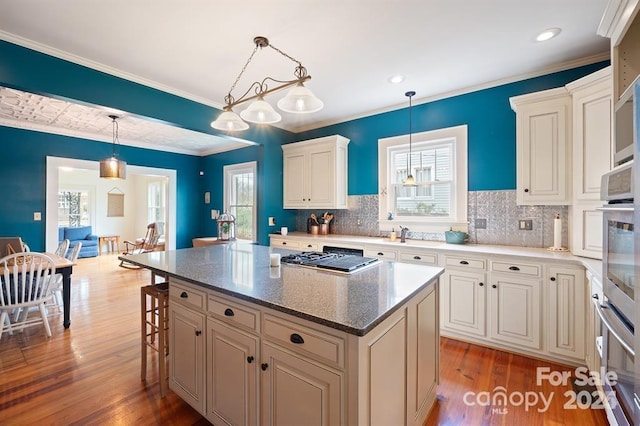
<point x="90" y="373"/>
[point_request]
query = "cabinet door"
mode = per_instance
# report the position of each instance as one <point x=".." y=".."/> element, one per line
<point x="542" y="142"/>
<point x="586" y="231"/>
<point x="515" y="310"/>
<point x="296" y="391"/>
<point x="567" y="302"/>
<point x="321" y="177"/>
<point x="462" y="301"/>
<point x="294" y="180"/>
<point x="232" y="360"/>
<point x="186" y="355"/>
<point x="591" y="139"/>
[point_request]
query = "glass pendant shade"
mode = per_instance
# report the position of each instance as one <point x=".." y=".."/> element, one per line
<point x="409" y="181"/>
<point x="300" y="100"/>
<point x="260" y="112"/>
<point x="112" y="168"/>
<point x="229" y="121"/>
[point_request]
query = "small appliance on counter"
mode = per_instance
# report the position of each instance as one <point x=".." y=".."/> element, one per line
<point x="335" y="262"/>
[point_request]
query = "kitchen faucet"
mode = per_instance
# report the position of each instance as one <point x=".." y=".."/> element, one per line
<point x="403" y="233"/>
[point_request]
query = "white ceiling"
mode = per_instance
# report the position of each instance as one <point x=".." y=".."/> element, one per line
<point x="196" y="49"/>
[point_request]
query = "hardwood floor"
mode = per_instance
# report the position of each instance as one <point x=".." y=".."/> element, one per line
<point x="90" y="373"/>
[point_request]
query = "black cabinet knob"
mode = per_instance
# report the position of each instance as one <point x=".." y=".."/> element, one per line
<point x="464" y="262"/>
<point x="250" y="359"/>
<point x="228" y="312"/>
<point x="198" y="332"/>
<point x="514" y="268"/>
<point x="184" y="295"/>
<point x="552" y="278"/>
<point x="296" y="338"/>
<point x="380" y="253"/>
<point x="481" y="284"/>
<point x="284" y="243"/>
<point x="494" y="286"/>
<point x="526" y="190"/>
<point x="264" y="366"/>
<point x="417" y="258"/>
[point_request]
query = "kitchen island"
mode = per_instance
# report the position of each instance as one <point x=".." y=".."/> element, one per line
<point x="254" y="344"/>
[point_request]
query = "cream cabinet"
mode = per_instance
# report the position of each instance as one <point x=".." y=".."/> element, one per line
<point x="593" y="356"/>
<point x="566" y="301"/>
<point x="186" y="345"/>
<point x="592" y="157"/>
<point x="315" y="173"/>
<point x="232" y="375"/>
<point x="380" y="252"/>
<point x="297" y="391"/>
<point x="515" y="317"/>
<point x="543" y="137"/>
<point x="287" y="243"/>
<point x="463" y="301"/>
<point x="244" y="364"/>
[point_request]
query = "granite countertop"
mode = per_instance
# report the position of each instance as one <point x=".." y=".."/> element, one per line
<point x="353" y="303"/>
<point x="518" y="253"/>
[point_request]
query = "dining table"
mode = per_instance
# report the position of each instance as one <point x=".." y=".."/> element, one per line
<point x="63" y="267"/>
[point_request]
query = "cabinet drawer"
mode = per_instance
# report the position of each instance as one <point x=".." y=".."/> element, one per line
<point x="381" y="253"/>
<point x="187" y="295"/>
<point x="278" y="242"/>
<point x="424" y="258"/>
<point x="308" y="246"/>
<point x="516" y="268"/>
<point x="324" y="347"/>
<point x="465" y="262"/>
<point x="234" y="313"/>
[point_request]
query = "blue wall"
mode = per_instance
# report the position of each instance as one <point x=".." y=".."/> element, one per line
<point x="23" y="163"/>
<point x="492" y="131"/>
<point x="22" y="166"/>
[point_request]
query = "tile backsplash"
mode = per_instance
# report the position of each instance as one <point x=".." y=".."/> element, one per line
<point x="497" y="208"/>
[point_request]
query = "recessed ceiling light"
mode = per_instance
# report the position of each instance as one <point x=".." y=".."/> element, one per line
<point x="396" y="79"/>
<point x="548" y="34"/>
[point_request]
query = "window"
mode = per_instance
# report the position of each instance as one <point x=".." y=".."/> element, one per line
<point x="439" y="165"/>
<point x="73" y="208"/>
<point x="156" y="201"/>
<point x="240" y="198"/>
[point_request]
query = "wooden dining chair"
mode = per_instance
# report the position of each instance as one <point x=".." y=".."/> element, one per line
<point x="56" y="286"/>
<point x="25" y="279"/>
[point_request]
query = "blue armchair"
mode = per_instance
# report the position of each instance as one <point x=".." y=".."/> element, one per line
<point x="80" y="234"/>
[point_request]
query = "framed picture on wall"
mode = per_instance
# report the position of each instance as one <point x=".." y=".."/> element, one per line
<point x="115" y="203"/>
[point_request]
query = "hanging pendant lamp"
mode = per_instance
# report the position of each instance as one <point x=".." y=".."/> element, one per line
<point x="112" y="168"/>
<point x="409" y="181"/>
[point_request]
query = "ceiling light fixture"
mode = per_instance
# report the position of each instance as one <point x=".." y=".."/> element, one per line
<point x="395" y="79"/>
<point x="548" y="34"/>
<point x="112" y="168"/>
<point x="299" y="100"/>
<point x="409" y="181"/>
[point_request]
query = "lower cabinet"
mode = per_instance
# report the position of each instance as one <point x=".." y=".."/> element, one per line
<point x="463" y="306"/>
<point x="232" y="375"/>
<point x="297" y="391"/>
<point x="567" y="304"/>
<point x="239" y="363"/>
<point x="515" y="315"/>
<point x="186" y="355"/>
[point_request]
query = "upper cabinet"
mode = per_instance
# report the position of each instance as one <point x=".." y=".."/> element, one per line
<point x="621" y="23"/>
<point x="315" y="173"/>
<point x="543" y="136"/>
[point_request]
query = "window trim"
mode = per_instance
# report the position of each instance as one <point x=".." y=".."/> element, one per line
<point x="460" y="220"/>
<point x="248" y="167"/>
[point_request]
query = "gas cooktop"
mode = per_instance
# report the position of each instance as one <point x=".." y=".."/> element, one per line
<point x="345" y="263"/>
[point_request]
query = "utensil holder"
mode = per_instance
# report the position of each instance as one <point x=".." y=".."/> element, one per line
<point x="324" y="229"/>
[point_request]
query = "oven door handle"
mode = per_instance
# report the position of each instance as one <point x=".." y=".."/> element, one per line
<point x="609" y="320"/>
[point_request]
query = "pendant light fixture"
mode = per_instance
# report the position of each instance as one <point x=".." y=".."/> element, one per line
<point x="409" y="181"/>
<point x="112" y="168"/>
<point x="299" y="100"/>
